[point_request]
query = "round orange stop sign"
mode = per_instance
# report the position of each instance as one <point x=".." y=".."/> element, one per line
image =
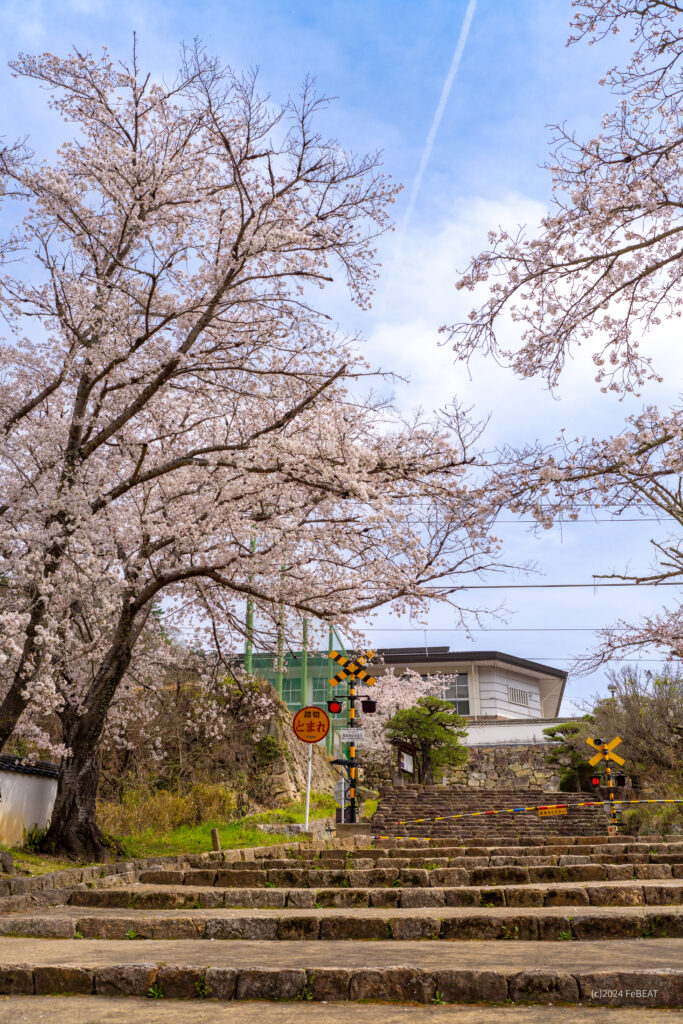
<point x="311" y="724"/>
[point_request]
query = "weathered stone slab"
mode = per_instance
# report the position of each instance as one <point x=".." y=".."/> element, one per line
<point x="449" y="876"/>
<point x="466" y="986"/>
<point x="205" y="877"/>
<point x="125" y="980"/>
<point x="301" y="899"/>
<point x="164" y="878"/>
<point x="181" y="982"/>
<point x="462" y="897"/>
<point x="540" y="986"/>
<point x="275" y="984"/>
<point x="419" y="898"/>
<point x="653" y="870"/>
<point x="288" y="877"/>
<point x="545" y="874"/>
<point x="16" y="980"/>
<point x="633" y="988"/>
<point x="353" y="928"/>
<point x="258" y="928"/>
<point x="499" y="876"/>
<point x="523" y="896"/>
<point x="617" y="926"/>
<point x="221" y="982"/>
<point x="239" y="877"/>
<point x="661" y="895"/>
<point x="298" y="928"/>
<point x="566" y="898"/>
<point x="584" y="873"/>
<point x="392" y="985"/>
<point x="329" y="985"/>
<point x="615" y="895"/>
<point x="63" y="979"/>
<point x="413" y="928"/>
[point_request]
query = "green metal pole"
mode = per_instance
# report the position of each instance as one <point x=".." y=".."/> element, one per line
<point x="330" y="648"/>
<point x="280" y="654"/>
<point x="308" y="697"/>
<point x="280" y="640"/>
<point x="249" y="645"/>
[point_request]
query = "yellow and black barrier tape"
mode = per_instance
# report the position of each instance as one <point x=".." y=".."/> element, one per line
<point x="533" y="807"/>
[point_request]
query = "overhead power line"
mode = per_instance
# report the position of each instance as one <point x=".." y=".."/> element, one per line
<point x="555" y="586"/>
<point x="490" y="629"/>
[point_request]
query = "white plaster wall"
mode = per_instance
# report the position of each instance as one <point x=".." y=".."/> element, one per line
<point x="483" y="734"/>
<point x="25" y="800"/>
<point x="493" y="693"/>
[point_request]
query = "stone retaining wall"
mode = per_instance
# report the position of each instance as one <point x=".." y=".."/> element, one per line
<point x="518" y="767"/>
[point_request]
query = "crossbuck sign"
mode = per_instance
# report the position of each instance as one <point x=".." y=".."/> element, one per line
<point x="352" y="668"/>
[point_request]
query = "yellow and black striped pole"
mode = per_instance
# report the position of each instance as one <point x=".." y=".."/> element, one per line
<point x="352" y="750"/>
<point x="610" y="784"/>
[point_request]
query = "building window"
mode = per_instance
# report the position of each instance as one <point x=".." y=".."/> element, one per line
<point x="291" y="692"/>
<point x="518" y="696"/>
<point x="319" y="691"/>
<point x="456" y="690"/>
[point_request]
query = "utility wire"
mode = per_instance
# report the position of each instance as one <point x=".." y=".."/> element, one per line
<point x="553" y="586"/>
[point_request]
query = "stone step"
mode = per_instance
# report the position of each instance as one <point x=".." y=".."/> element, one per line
<point x="410" y="972"/>
<point x="149" y="897"/>
<point x="414" y="859"/>
<point x="241" y="876"/>
<point x="124" y="1009"/>
<point x="502" y="923"/>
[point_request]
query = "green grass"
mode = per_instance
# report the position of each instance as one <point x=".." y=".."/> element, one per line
<point x="233" y="835"/>
<point x="153" y="842"/>
<point x="369" y="808"/>
<point x="322" y="806"/>
<point x="36" y="863"/>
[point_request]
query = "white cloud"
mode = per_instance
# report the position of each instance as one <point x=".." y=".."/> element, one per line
<point x="416" y="295"/>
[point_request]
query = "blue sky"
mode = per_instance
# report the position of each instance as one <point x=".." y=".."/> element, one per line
<point x="386" y="63"/>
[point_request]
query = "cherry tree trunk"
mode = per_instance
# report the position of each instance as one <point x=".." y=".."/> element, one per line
<point x="73" y="831"/>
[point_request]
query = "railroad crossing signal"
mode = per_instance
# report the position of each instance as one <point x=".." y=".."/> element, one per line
<point x="605" y="750"/>
<point x="352" y="668"/>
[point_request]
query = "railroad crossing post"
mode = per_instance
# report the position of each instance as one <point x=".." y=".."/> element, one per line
<point x="610" y="783"/>
<point x="352" y="669"/>
<point x="605" y="751"/>
<point x="352" y="750"/>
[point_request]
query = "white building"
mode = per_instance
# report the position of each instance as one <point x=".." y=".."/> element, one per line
<point x="485" y="685"/>
<point x="27" y="796"/>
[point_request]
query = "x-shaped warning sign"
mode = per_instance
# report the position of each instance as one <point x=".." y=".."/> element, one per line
<point x="605" y="750"/>
<point x="352" y="668"/>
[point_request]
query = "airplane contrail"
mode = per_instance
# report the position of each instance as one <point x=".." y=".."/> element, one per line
<point x="447" y="85"/>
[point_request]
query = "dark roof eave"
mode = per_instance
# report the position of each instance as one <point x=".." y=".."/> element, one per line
<point x="474" y="656"/>
<point x="12" y="763"/>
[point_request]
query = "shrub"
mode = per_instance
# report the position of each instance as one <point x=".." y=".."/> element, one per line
<point x="268" y="749"/>
<point x="162" y="810"/>
<point x="32" y="838"/>
<point x="655" y="819"/>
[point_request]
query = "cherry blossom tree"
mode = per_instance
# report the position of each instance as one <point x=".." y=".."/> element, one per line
<point x="604" y="272"/>
<point x="180" y="422"/>
<point x="393" y="693"/>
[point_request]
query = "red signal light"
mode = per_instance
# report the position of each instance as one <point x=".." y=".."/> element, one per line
<point x="595" y="781"/>
<point x="334" y="706"/>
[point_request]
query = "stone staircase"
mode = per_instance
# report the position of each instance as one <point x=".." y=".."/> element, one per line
<point x="407" y="803"/>
<point x="516" y="912"/>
